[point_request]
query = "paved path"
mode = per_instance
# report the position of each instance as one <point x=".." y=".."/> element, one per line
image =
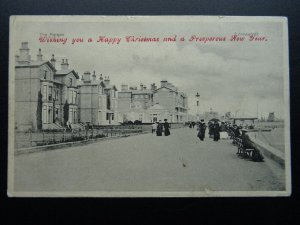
<point x="145" y="162"/>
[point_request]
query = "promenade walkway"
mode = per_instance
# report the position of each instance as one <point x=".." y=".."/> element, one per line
<point x="145" y="162"/>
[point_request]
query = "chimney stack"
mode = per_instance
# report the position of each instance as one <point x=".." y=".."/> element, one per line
<point x="141" y="86"/>
<point x="53" y="61"/>
<point x="106" y="80"/>
<point x="101" y="78"/>
<point x="24" y="54"/>
<point x="64" y="64"/>
<point x="153" y="87"/>
<point x="94" y="76"/>
<point x="124" y="87"/>
<point x="163" y="83"/>
<point x="39" y="56"/>
<point x="87" y="76"/>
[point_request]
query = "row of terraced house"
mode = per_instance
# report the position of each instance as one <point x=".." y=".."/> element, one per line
<point x="48" y="96"/>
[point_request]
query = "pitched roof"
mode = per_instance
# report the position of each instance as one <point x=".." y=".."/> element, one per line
<point x="65" y="72"/>
<point x="37" y="64"/>
<point x="141" y="91"/>
<point x="165" y="88"/>
<point x="91" y="82"/>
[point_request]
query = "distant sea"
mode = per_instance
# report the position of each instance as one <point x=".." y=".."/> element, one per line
<point x="275" y="137"/>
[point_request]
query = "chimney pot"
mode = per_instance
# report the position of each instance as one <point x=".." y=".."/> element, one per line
<point x="94" y="75"/>
<point x="53" y="60"/>
<point x="64" y="64"/>
<point x="39" y="55"/>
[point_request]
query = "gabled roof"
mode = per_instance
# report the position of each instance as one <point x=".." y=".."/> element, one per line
<point x="37" y="64"/>
<point x="65" y="72"/>
<point x="165" y="88"/>
<point x="91" y="82"/>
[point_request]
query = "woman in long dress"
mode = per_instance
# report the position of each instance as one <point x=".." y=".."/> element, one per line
<point x="201" y="130"/>
<point x="216" y="131"/>
<point x="167" y="127"/>
<point x="159" y="129"/>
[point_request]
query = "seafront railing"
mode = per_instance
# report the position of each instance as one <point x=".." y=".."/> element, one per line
<point x="32" y="139"/>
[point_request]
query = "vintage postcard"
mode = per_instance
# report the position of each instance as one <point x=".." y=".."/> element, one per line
<point x="148" y="106"/>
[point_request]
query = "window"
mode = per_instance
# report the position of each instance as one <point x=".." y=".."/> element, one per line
<point x="71" y="81"/>
<point x="50" y="93"/>
<point x="45" y="92"/>
<point x="55" y="94"/>
<point x="112" y="116"/>
<point x="56" y="112"/>
<point x="71" y="115"/>
<point x="75" y="115"/>
<point x="154" y="118"/>
<point x="44" y="116"/>
<point x="45" y="74"/>
<point x="107" y="116"/>
<point x="70" y="96"/>
<point x="50" y="114"/>
<point x="74" y="97"/>
<point x="141" y="117"/>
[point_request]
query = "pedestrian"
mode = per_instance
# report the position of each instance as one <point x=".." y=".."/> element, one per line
<point x="159" y="129"/>
<point x="211" y="129"/>
<point x="154" y="127"/>
<point x="223" y="133"/>
<point x="201" y="130"/>
<point x="216" y="131"/>
<point x="166" y="128"/>
<point x="69" y="127"/>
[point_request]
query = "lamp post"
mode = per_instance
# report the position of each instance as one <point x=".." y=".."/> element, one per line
<point x="197" y="100"/>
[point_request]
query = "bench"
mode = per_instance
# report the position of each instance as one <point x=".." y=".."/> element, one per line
<point x="252" y="153"/>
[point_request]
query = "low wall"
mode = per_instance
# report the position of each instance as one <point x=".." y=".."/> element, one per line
<point x="32" y="139"/>
<point x="148" y="127"/>
<point x="267" y="150"/>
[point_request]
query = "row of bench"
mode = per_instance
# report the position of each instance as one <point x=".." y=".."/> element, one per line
<point x="246" y="152"/>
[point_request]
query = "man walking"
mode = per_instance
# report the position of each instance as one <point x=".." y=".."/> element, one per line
<point x="201" y="130"/>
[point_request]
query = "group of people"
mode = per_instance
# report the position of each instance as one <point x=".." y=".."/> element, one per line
<point x="160" y="128"/>
<point x="216" y="129"/>
<point x="213" y="127"/>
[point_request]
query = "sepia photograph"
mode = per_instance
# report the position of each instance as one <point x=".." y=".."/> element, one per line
<point x="148" y="106"/>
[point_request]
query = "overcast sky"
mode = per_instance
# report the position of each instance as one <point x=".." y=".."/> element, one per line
<point x="234" y="77"/>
